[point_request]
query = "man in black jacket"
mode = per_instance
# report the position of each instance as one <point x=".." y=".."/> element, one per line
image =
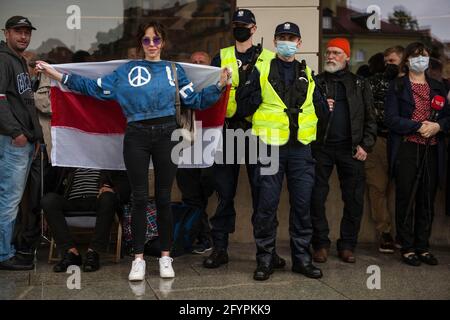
<point x="379" y="188"/>
<point x="344" y="139"/>
<point x="20" y="132"/>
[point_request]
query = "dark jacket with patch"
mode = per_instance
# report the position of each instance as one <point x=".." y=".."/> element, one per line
<point x="17" y="109"/>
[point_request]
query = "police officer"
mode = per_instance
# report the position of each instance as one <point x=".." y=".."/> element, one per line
<point x="242" y="59"/>
<point x="286" y="120"/>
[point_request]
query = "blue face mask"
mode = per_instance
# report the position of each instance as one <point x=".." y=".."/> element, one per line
<point x="286" y="48"/>
<point x="419" y="64"/>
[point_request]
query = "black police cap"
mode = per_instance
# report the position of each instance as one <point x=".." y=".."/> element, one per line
<point x="288" y="27"/>
<point x="244" y="16"/>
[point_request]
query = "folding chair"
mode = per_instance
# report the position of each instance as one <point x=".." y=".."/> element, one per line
<point x="86" y="220"/>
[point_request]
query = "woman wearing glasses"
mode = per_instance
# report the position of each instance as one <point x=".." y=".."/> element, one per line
<point x="145" y="89"/>
<point x="416" y="151"/>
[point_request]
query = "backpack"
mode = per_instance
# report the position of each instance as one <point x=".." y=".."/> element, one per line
<point x="151" y="221"/>
<point x="186" y="228"/>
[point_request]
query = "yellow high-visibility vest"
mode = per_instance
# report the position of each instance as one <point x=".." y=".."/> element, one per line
<point x="271" y="123"/>
<point x="228" y="59"/>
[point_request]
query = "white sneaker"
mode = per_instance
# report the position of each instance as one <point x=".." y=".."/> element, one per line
<point x="137" y="272"/>
<point x="165" y="267"/>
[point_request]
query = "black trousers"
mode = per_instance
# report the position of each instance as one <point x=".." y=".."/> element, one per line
<point x="414" y="230"/>
<point x="27" y="229"/>
<point x="55" y="205"/>
<point x="143" y="142"/>
<point x="224" y="219"/>
<point x="296" y="163"/>
<point x="196" y="186"/>
<point x="226" y="176"/>
<point x="352" y="183"/>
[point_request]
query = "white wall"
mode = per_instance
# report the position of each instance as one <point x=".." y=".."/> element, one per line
<point x="305" y="13"/>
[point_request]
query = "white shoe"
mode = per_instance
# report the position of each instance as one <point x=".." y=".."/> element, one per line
<point x="137" y="272"/>
<point x="165" y="267"/>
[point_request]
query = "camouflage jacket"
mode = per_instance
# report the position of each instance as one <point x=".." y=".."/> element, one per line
<point x="379" y="85"/>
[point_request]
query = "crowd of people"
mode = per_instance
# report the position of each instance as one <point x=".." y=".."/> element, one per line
<point x="385" y="130"/>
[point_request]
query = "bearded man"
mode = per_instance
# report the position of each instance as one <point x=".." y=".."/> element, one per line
<point x="343" y="139"/>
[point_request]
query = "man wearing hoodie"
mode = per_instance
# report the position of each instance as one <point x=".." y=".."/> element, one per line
<point x="19" y="133"/>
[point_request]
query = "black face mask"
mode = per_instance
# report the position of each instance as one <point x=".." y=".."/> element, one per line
<point x="391" y="71"/>
<point x="241" y="34"/>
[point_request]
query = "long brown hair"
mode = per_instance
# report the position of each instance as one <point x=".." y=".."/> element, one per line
<point x="159" y="28"/>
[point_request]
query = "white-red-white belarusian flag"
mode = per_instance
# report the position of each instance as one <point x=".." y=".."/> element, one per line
<point x="88" y="133"/>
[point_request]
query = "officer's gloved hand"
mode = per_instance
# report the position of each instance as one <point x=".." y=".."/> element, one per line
<point x="248" y="95"/>
<point x="249" y="86"/>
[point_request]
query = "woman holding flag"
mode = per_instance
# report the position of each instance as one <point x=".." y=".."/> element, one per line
<point x="146" y="91"/>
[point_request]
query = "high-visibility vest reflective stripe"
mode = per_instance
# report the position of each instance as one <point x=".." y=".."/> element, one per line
<point x="271" y="123"/>
<point x="228" y="59"/>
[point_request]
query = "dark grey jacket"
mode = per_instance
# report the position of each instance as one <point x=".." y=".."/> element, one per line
<point x="17" y="109"/>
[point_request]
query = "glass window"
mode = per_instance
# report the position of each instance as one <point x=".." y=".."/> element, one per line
<point x="375" y="25"/>
<point x="107" y="28"/>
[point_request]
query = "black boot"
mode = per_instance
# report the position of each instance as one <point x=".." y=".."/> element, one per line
<point x="91" y="261"/>
<point x="262" y="272"/>
<point x="216" y="259"/>
<point x="278" y="262"/>
<point x="308" y="270"/>
<point x="69" y="259"/>
<point x="16" y="264"/>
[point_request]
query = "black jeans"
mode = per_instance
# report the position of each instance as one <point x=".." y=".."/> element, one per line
<point x="414" y="231"/>
<point x="196" y="186"/>
<point x="142" y="142"/>
<point x="55" y="205"/>
<point x="352" y="184"/>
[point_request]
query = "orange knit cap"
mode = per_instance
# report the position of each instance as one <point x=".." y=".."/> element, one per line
<point x="341" y="43"/>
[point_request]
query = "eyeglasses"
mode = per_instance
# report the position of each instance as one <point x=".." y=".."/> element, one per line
<point x="146" y="41"/>
<point x="334" y="53"/>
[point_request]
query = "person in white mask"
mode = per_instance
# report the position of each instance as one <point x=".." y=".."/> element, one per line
<point x="286" y="121"/>
<point x="416" y="151"/>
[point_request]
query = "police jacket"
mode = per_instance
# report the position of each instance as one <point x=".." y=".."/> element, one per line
<point x="248" y="96"/>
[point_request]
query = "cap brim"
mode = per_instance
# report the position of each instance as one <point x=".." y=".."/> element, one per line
<point x="243" y="21"/>
<point x="289" y="32"/>
<point x="22" y="26"/>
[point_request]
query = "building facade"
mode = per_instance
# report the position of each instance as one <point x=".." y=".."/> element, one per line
<point x="107" y="28"/>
